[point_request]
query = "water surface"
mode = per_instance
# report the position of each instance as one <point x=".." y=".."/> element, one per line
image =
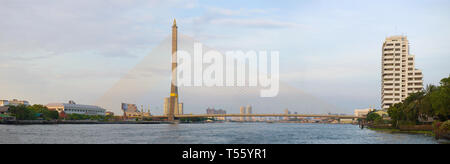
<point x="213" y="133"/>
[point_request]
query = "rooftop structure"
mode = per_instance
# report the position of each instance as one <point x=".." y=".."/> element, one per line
<point x="71" y="107"/>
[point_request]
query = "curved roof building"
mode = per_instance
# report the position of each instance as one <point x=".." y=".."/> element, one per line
<point x="72" y="107"/>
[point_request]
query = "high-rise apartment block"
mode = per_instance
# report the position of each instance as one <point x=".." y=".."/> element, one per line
<point x="400" y="78"/>
<point x="249" y="111"/>
<point x="242" y="111"/>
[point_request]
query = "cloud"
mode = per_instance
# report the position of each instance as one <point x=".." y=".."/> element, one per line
<point x="242" y="17"/>
<point x="223" y="11"/>
<point x="238" y="12"/>
<point x="259" y="23"/>
<point x="73" y="26"/>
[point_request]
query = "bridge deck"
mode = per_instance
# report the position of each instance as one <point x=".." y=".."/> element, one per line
<point x="258" y="115"/>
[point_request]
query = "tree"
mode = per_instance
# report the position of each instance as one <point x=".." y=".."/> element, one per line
<point x="22" y="112"/>
<point x="372" y="116"/>
<point x="440" y="100"/>
<point x="46" y="113"/>
<point x="433" y="101"/>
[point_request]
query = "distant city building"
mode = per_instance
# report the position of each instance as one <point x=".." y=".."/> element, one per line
<point x="175" y="109"/>
<point x="249" y="111"/>
<point x="400" y="78"/>
<point x="363" y="112"/>
<point x="242" y="111"/>
<point x="4" y="102"/>
<point x="180" y="109"/>
<point x="14" y="102"/>
<point x="4" y="109"/>
<point x="214" y="111"/>
<point x="109" y="113"/>
<point x="72" y="107"/>
<point x="131" y="110"/>
<point x="337" y="114"/>
<point x="4" y="114"/>
<point x="166" y="106"/>
<point x="286" y="111"/>
<point x="210" y="111"/>
<point x="345" y="121"/>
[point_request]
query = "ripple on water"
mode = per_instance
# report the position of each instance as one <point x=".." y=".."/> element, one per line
<point x="217" y="133"/>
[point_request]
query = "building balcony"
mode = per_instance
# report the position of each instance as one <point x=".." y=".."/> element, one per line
<point x="389" y="87"/>
<point x="389" y="77"/>
<point x="388" y="102"/>
<point x="415" y="81"/>
<point x="389" y="67"/>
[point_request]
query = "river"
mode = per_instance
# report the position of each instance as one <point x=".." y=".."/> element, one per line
<point x="211" y="133"/>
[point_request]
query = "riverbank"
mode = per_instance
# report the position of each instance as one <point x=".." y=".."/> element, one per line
<point x="44" y="122"/>
<point x="435" y="131"/>
<point x="393" y="130"/>
<point x="38" y="122"/>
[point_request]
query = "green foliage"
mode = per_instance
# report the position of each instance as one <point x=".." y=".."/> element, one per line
<point x="440" y="100"/>
<point x="45" y="113"/>
<point x="76" y="116"/>
<point x="22" y="112"/>
<point x="148" y="119"/>
<point x="445" y="127"/>
<point x="404" y="122"/>
<point x="379" y="121"/>
<point x="196" y="119"/>
<point x="372" y="116"/>
<point x="433" y="101"/>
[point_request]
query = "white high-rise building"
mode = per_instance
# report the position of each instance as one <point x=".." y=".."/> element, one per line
<point x="166" y="106"/>
<point x="180" y="109"/>
<point x="400" y="78"/>
<point x="249" y="111"/>
<point x="242" y="110"/>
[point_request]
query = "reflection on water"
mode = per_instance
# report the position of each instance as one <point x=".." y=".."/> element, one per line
<point x="220" y="133"/>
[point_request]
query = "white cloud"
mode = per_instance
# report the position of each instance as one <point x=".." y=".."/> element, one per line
<point x="238" y="12"/>
<point x="259" y="23"/>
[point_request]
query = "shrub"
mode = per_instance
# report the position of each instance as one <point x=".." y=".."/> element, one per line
<point x="406" y="123"/>
<point x="373" y="116"/>
<point x="445" y="127"/>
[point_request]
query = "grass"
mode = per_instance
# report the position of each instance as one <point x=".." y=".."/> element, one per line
<point x="393" y="130"/>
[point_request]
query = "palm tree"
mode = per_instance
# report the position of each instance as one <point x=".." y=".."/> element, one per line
<point x="413" y="106"/>
<point x="429" y="88"/>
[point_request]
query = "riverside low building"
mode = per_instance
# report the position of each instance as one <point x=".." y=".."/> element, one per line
<point x="363" y="112"/>
<point x="72" y="107"/>
<point x="14" y="102"/>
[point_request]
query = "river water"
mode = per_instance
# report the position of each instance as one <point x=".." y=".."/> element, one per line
<point x="212" y="133"/>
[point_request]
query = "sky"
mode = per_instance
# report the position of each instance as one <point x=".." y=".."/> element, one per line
<point x="60" y="50"/>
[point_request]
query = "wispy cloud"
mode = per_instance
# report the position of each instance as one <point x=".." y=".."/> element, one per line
<point x="40" y="40"/>
<point x="258" y="23"/>
<point x="238" y="12"/>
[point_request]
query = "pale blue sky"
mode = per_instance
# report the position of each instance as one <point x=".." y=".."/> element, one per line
<point x="52" y="50"/>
